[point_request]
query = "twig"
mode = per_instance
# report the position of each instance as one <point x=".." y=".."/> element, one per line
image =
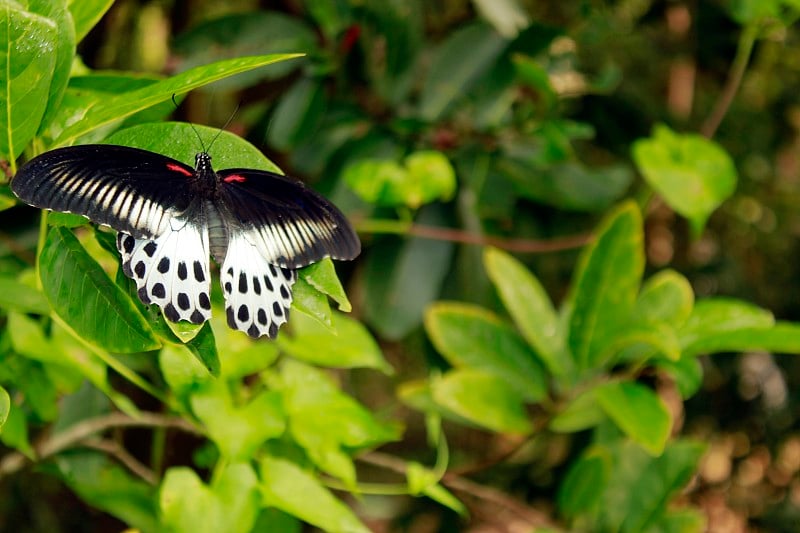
<point x="84" y="429"/>
<point x="458" y="483"/>
<point x="115" y="450"/>
<point x="455" y="235"/>
<point x="738" y="67"/>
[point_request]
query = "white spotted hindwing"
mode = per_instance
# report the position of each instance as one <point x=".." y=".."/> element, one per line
<point x="257" y="293"/>
<point x="171" y="270"/>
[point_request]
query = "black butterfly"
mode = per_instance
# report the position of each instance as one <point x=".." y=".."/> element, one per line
<point x="260" y="226"/>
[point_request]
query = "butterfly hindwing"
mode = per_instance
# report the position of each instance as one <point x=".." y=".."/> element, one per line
<point x="130" y="190"/>
<point x="292" y="225"/>
<point x="258" y="294"/>
<point x="172" y="270"/>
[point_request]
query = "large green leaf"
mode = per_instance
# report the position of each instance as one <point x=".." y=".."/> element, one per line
<point x="124" y="105"/>
<point x="179" y="140"/>
<point x="483" y="399"/>
<point x="606" y="284"/>
<point x="27" y="64"/>
<point x="472" y="337"/>
<point x="638" y="412"/>
<point x="81" y="293"/>
<point x="529" y="307"/>
<point x="229" y="505"/>
<point x="693" y="174"/>
<point x="287" y="487"/>
<point x="56" y="10"/>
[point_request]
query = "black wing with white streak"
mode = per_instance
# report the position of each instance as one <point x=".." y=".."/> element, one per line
<point x="131" y="190"/>
<point x="292" y="225"/>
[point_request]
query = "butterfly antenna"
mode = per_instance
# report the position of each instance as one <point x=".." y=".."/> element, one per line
<point x="203" y="146"/>
<point x="227" y="123"/>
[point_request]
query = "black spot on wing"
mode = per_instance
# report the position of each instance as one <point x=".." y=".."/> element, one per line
<point x="182" y="272"/>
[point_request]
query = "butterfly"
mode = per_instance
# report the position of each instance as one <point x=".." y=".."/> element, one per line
<point x="261" y="227"/>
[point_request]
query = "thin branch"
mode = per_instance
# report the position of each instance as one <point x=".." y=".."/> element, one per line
<point x="469" y="487"/>
<point x="115" y="450"/>
<point x="77" y="433"/>
<point x="738" y="67"/>
<point x="398" y="227"/>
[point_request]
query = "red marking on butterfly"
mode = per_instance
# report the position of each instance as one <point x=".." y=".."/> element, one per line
<point x="234" y="178"/>
<point x="177" y="168"/>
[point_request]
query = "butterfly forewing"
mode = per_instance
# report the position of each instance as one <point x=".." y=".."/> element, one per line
<point x="128" y="189"/>
<point x="291" y="225"/>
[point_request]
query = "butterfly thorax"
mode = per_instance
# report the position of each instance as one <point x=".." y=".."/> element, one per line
<point x="205" y="177"/>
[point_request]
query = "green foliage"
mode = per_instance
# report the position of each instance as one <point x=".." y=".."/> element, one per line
<point x="436" y="129"/>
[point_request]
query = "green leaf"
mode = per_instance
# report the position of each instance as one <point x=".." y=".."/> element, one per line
<point x="582" y="487"/>
<point x="182" y="372"/>
<point x="346" y="344"/>
<point x="640" y="487"/>
<point x="204" y="348"/>
<point x="17" y="296"/>
<point x="179" y="141"/>
<point x="472" y="337"/>
<point x="783" y="337"/>
<point x="580" y="413"/>
<point x="424" y="177"/>
<point x="483" y="399"/>
<point x="402" y="280"/>
<point x="322" y="276"/>
<point x="108" y="487"/>
<point x="81" y="293"/>
<point x="433" y="176"/>
<point x="685" y="520"/>
<point x="639" y="341"/>
<point x="638" y="412"/>
<point x="687" y="373"/>
<point x="126" y="104"/>
<point x="27" y="64"/>
<point x="606" y="284"/>
<point x="14" y="432"/>
<point x="529" y="307"/>
<point x="452" y="72"/>
<point x="86" y="14"/>
<point x="297" y="114"/>
<point x="287" y="487"/>
<point x="5" y="406"/>
<point x="64" y="52"/>
<point x="665" y="297"/>
<point x="238" y="431"/>
<point x="712" y="320"/>
<point x="312" y="303"/>
<point x="568" y="185"/>
<point x="693" y="174"/>
<point x="229" y="505"/>
<point x="326" y="422"/>
<point x="423" y="480"/>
